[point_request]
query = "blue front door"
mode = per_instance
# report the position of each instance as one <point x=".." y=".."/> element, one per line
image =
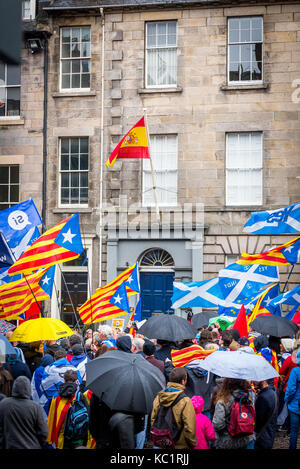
<point x="156" y="292"/>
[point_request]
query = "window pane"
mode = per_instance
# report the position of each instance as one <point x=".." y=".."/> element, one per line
<point x="64" y="162"/>
<point x="14" y="193"/>
<point x="85" y="34"/>
<point x="85" y="80"/>
<point x="65" y="51"/>
<point x="74" y="196"/>
<point x="245" y="71"/>
<point x="83" y="179"/>
<point x="84" y="196"/>
<point x="14" y="174"/>
<point x="75" y="50"/>
<point x="65" y="81"/>
<point x="66" y="66"/>
<point x="75" y="34"/>
<point x="234" y="35"/>
<point x="4" y="194"/>
<point x="245" y="52"/>
<point x="234" y="53"/>
<point x="65" y="196"/>
<point x="74" y="179"/>
<point x="75" y="66"/>
<point x="76" y="81"/>
<point x="84" y="162"/>
<point x="84" y="145"/>
<point x="66" y="35"/>
<point x="64" y="146"/>
<point x="13" y="101"/>
<point x="85" y="66"/>
<point x="4" y="174"/>
<point x="13" y="75"/>
<point x="74" y="162"/>
<point x="75" y="145"/>
<point x="65" y="180"/>
<point x="85" y="49"/>
<point x="2" y="101"/>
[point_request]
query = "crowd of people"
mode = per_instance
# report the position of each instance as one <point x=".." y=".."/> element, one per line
<point x="45" y="403"/>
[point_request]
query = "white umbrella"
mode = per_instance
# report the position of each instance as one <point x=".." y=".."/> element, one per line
<point x="239" y="365"/>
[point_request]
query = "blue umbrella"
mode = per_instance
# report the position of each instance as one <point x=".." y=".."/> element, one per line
<point x="239" y="365"/>
<point x="5" y="346"/>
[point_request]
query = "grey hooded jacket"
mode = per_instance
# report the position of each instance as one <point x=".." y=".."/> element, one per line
<point x="22" y="422"/>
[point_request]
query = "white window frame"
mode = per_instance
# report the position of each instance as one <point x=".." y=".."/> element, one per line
<point x="9" y="184"/>
<point x="62" y="59"/>
<point x="60" y="204"/>
<point x="147" y="169"/>
<point x="245" y="82"/>
<point x="6" y="86"/>
<point x="258" y="168"/>
<point x="32" y="10"/>
<point x="61" y="268"/>
<point x="173" y="85"/>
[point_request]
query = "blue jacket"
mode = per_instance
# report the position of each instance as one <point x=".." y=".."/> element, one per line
<point x="292" y="394"/>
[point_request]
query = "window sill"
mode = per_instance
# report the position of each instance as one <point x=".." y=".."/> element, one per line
<point x="74" y="94"/>
<point x="12" y="121"/>
<point x="258" y="86"/>
<point x="72" y="210"/>
<point x="177" y="89"/>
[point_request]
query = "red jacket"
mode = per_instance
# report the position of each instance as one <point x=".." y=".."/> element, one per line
<point x="286" y="369"/>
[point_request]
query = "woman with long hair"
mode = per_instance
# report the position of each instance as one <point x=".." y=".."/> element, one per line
<point x="229" y="390"/>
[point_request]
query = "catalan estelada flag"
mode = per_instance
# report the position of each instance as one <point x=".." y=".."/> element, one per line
<point x="17" y="297"/>
<point x="258" y="309"/>
<point x="98" y="307"/>
<point x="133" y="145"/>
<point x="184" y="356"/>
<point x="59" y="244"/>
<point x="276" y="256"/>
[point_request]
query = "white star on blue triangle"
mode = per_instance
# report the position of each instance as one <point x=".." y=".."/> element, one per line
<point x="120" y="298"/>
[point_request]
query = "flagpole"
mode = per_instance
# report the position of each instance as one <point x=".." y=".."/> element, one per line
<point x="152" y="168"/>
<point x="290" y="273"/>
<point x="28" y="284"/>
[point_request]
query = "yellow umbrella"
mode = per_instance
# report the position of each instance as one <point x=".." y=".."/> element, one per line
<point x="35" y="330"/>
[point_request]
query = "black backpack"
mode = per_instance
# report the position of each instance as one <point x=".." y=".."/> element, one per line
<point x="164" y="432"/>
<point x="77" y="420"/>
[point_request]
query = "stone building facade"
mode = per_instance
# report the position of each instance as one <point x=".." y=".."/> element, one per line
<point x="175" y="63"/>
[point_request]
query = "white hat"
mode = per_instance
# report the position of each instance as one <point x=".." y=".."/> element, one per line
<point x="287" y="344"/>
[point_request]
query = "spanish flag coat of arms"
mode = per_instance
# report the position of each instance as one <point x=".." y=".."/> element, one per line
<point x="133" y="145"/>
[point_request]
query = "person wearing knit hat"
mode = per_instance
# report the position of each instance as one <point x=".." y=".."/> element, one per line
<point x="292" y="398"/>
<point x="286" y="348"/>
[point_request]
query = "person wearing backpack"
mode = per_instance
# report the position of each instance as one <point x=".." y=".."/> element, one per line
<point x="173" y="418"/>
<point x="68" y="419"/>
<point x="234" y="416"/>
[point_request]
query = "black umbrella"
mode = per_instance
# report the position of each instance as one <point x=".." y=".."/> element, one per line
<point x="168" y="327"/>
<point x="201" y="319"/>
<point x="276" y="326"/>
<point x="124" y="381"/>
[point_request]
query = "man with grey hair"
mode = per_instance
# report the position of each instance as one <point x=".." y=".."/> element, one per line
<point x="137" y="346"/>
<point x="105" y="334"/>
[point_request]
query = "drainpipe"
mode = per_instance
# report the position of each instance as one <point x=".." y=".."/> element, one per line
<point x="101" y="148"/>
<point x="44" y="194"/>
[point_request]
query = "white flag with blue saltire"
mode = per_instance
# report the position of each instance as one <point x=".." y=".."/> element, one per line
<point x="291" y="297"/>
<point x="280" y="221"/>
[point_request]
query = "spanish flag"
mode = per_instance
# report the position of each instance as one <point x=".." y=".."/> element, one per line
<point x="184" y="356"/>
<point x="274" y="256"/>
<point x="133" y="145"/>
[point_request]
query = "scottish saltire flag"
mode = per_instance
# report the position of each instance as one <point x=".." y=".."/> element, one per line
<point x="59" y="244"/>
<point x="239" y="283"/>
<point x="283" y="220"/>
<point x="6" y="259"/>
<point x="133" y="280"/>
<point x="46" y="383"/>
<point x="272" y="292"/>
<point x="206" y="294"/>
<point x="120" y="298"/>
<point x="18" y="219"/>
<point x="291" y="297"/>
<point x="290" y="315"/>
<point x="17" y="247"/>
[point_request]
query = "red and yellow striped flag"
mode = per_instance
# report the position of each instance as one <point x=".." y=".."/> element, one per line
<point x="17" y="297"/>
<point x="98" y="308"/>
<point x="184" y="356"/>
<point x="272" y="257"/>
<point x="133" y="145"/>
<point x="52" y="247"/>
<point x="132" y="330"/>
<point x="258" y="310"/>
